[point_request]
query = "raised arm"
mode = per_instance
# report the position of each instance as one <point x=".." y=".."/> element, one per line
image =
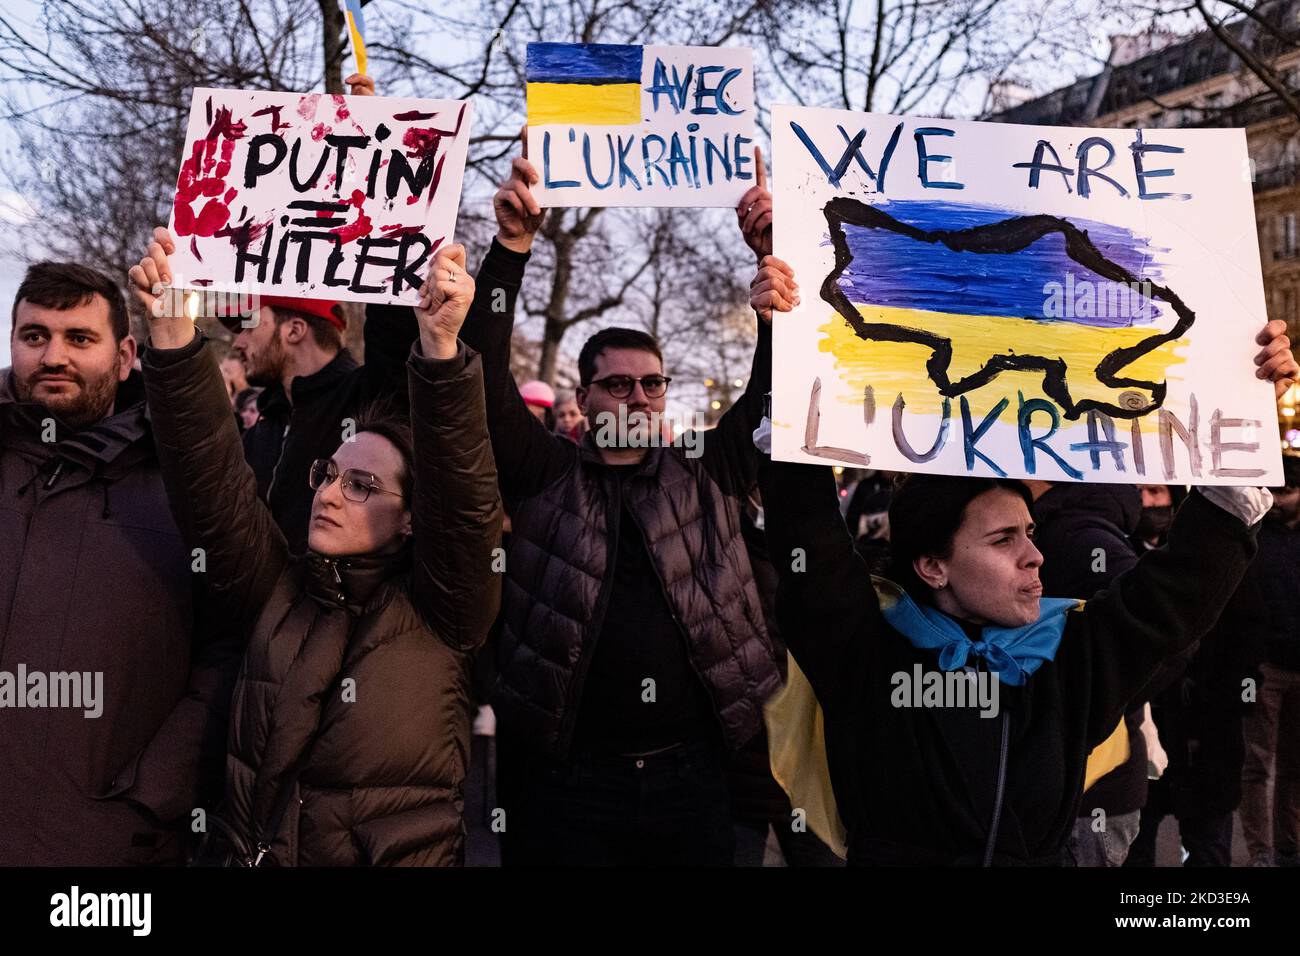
<point x="728" y="450"/>
<point x="212" y="491"/>
<point x="1168" y="600"/>
<point x="529" y="457"/>
<point x="826" y="605"/>
<point x="1175" y="594"/>
<point x="457" y="512"/>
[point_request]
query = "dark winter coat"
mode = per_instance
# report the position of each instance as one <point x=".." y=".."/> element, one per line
<point x="95" y="578"/>
<point x="353" y="692"/>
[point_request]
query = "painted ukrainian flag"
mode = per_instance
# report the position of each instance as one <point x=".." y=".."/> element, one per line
<point x="905" y="280"/>
<point x="592" y="84"/>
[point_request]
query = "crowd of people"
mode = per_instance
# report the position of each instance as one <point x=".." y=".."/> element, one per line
<point x="314" y="587"/>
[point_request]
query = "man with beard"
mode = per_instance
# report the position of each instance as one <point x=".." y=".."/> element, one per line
<point x="96" y="591"/>
<point x="633" y="653"/>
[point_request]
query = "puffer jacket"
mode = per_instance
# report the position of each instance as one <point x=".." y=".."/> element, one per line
<point x="351" y="707"/>
<point x="95" y="579"/>
<point x="565" y="503"/>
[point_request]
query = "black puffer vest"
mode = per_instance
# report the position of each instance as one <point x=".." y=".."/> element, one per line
<point x="559" y="577"/>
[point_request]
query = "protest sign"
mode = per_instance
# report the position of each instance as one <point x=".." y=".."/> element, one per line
<point x="990" y="299"/>
<point x="618" y="125"/>
<point x="328" y="197"/>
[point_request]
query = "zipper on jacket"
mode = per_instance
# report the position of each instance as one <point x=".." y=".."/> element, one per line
<point x="275" y="469"/>
<point x="681" y="630"/>
<point x="568" y="723"/>
<point x="54" y="475"/>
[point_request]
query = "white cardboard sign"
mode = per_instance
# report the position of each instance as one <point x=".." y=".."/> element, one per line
<point x="327" y="197"/>
<point x="989" y="299"/>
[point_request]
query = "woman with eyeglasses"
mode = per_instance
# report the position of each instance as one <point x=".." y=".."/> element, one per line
<point x="349" y="724"/>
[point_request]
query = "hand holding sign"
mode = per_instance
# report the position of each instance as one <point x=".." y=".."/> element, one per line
<point x="518" y="213"/>
<point x="360" y="85"/>
<point x="1275" y="360"/>
<point x="168" y="328"/>
<point x="754" y="211"/>
<point x="444" y="302"/>
<point x="773" y="288"/>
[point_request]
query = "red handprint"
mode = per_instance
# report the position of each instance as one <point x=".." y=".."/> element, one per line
<point x="204" y="175"/>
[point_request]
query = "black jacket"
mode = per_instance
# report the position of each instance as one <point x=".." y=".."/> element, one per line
<point x="1265" y="613"/>
<point x="917" y="786"/>
<point x="1083" y="532"/>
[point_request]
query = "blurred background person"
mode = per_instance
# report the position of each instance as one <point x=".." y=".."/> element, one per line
<point x="569" y="420"/>
<point x="246" y="408"/>
<point x="1269" y="620"/>
<point x="540" y="399"/>
<point x="232" y="371"/>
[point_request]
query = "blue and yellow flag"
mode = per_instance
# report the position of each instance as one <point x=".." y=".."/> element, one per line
<point x="357" y="30"/>
<point x="594" y="84"/>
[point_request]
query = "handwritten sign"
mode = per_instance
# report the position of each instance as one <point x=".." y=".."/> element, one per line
<point x="988" y="299"/>
<point x="618" y="125"/>
<point x="330" y="197"/>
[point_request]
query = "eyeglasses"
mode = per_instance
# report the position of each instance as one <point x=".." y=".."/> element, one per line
<point x="620" y="386"/>
<point x="357" y="485"/>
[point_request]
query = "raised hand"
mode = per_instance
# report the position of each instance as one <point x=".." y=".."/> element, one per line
<point x="518" y="213"/>
<point x="151" y="278"/>
<point x="1275" y="360"/>
<point x="754" y="211"/>
<point x="359" y="84"/>
<point x="444" y="302"/>
<point x="773" y="288"/>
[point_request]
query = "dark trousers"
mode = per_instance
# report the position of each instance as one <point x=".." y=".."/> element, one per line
<point x="1207" y="838"/>
<point x="668" y="809"/>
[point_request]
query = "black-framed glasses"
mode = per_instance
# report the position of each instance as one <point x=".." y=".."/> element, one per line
<point x="357" y="485"/>
<point x="620" y="386"/>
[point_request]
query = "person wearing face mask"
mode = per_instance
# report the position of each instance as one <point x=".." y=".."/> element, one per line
<point x="349" y="720"/>
<point x="1192" y="723"/>
<point x="989" y="769"/>
<point x="1159" y="502"/>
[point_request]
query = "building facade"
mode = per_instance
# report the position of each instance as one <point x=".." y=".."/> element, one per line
<point x="1158" y="81"/>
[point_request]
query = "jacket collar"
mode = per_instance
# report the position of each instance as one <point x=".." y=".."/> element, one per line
<point x="307" y="388"/>
<point x="93" y="446"/>
<point x="352" y="581"/>
<point x="1013" y="653"/>
<point x="589" y="453"/>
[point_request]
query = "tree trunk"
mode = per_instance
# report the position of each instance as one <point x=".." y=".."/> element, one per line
<point x="332" y="28"/>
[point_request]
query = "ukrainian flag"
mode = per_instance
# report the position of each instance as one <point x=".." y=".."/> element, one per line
<point x="589" y="84"/>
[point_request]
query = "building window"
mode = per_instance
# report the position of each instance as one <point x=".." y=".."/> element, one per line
<point x="1289" y="237"/>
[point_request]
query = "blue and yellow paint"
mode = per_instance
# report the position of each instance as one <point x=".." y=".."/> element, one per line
<point x="593" y="84"/>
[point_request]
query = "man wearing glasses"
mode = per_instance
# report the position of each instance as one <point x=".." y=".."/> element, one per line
<point x="633" y="653"/>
